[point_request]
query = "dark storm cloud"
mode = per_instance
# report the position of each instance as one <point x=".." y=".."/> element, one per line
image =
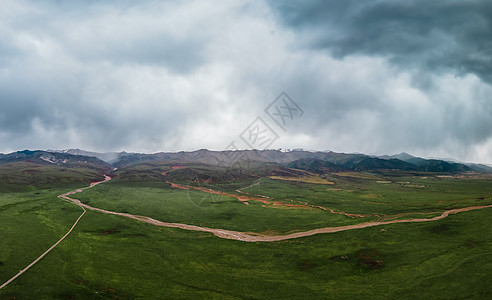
<point x="430" y="35"/>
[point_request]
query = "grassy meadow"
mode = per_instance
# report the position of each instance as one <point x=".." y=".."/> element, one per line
<point x="111" y="257"/>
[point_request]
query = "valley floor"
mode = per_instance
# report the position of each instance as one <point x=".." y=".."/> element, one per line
<point x="441" y="254"/>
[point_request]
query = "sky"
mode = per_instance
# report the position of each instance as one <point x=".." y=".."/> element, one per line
<point x="375" y="76"/>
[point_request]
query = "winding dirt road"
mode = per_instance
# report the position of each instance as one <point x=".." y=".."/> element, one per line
<point x="257" y="237"/>
<point x="223" y="233"/>
<point x="106" y="178"/>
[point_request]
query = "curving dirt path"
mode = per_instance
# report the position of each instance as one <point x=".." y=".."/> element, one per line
<point x="256" y="237"/>
<point x="223" y="233"/>
<point x="106" y="178"/>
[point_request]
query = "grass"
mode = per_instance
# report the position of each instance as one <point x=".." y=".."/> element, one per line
<point x="307" y="179"/>
<point x="180" y="206"/>
<point x="141" y="261"/>
<point x="16" y="176"/>
<point x="356" y="195"/>
<point x="31" y="222"/>
<point x="109" y="257"/>
<point x="362" y="175"/>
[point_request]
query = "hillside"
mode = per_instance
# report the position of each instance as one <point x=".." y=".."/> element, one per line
<point x="313" y="161"/>
<point x="107" y="156"/>
<point x="74" y="165"/>
<point x="39" y="168"/>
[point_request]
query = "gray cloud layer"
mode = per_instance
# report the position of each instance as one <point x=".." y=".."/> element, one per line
<point x="430" y="41"/>
<point x="432" y="35"/>
<point x="371" y="76"/>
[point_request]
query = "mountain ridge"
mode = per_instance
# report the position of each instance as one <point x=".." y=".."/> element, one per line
<point x="322" y="160"/>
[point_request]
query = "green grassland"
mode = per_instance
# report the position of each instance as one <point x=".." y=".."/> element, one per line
<point x="111" y="257"/>
<point x="16" y="176"/>
<point x="370" y="196"/>
<point x="164" y="203"/>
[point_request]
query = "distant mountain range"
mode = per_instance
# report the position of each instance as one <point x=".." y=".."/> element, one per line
<point x="55" y="159"/>
<point x="107" y="156"/>
<point x="306" y="160"/>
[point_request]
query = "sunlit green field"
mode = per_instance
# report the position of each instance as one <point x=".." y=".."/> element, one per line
<point x="118" y="258"/>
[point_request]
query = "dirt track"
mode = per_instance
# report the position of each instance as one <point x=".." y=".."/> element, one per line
<point x="252" y="237"/>
<point x="60" y="240"/>
<point x="222" y="233"/>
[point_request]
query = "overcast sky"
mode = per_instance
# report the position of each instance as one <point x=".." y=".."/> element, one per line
<point x="375" y="76"/>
